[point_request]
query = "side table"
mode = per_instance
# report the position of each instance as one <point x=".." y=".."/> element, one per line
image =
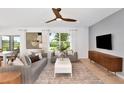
<point x="10" y="78"/>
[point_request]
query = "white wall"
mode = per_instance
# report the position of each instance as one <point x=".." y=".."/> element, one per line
<point x="80" y="37"/>
<point x="113" y="24"/>
<point x="83" y="42"/>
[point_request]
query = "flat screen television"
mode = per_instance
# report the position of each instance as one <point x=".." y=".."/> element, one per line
<point x="104" y="41"/>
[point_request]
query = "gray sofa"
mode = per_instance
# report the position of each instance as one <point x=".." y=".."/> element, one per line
<point x="73" y="58"/>
<point x="30" y="73"/>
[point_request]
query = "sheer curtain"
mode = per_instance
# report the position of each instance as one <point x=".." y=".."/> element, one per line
<point x="73" y="33"/>
<point x="45" y="39"/>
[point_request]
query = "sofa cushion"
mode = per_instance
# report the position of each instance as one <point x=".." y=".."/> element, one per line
<point x="38" y="66"/>
<point x="44" y="55"/>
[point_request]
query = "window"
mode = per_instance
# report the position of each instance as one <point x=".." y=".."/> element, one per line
<point x="16" y="42"/>
<point x="59" y="41"/>
<point x="10" y="42"/>
<point x="5" y="43"/>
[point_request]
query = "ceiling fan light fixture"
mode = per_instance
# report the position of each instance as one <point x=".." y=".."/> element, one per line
<point x="58" y="16"/>
<point x="59" y="19"/>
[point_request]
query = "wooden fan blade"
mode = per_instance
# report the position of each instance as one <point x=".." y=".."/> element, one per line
<point x="56" y="12"/>
<point x="51" y="20"/>
<point x="69" y="20"/>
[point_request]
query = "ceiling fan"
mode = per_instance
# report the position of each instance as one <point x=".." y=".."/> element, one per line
<point x="56" y="12"/>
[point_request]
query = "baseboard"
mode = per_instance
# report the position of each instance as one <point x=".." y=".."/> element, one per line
<point x="84" y="59"/>
<point x="121" y="76"/>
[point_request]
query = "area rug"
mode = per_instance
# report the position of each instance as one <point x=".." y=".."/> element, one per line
<point x="81" y="75"/>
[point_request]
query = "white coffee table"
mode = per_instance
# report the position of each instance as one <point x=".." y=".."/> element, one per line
<point x="63" y="66"/>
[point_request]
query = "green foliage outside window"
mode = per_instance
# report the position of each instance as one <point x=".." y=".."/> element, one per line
<point x="5" y="45"/>
<point x="8" y="44"/>
<point x="60" y="42"/>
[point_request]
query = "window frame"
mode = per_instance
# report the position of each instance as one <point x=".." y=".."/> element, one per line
<point x="11" y="42"/>
<point x="60" y="41"/>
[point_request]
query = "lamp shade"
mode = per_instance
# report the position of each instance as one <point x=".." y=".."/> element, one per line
<point x="58" y="19"/>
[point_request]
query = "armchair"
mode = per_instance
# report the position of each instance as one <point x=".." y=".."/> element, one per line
<point x="53" y="57"/>
<point x="73" y="57"/>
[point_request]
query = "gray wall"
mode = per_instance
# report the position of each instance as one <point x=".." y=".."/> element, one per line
<point x="113" y="24"/>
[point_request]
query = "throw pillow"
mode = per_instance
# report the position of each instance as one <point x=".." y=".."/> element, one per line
<point x="34" y="58"/>
<point x="22" y="58"/>
<point x="28" y="53"/>
<point x="57" y="53"/>
<point x="70" y="52"/>
<point x="39" y="54"/>
<point x="28" y="60"/>
<point x="33" y="54"/>
<point x="17" y="62"/>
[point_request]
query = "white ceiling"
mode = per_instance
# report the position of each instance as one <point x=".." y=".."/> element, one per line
<point x="36" y="17"/>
